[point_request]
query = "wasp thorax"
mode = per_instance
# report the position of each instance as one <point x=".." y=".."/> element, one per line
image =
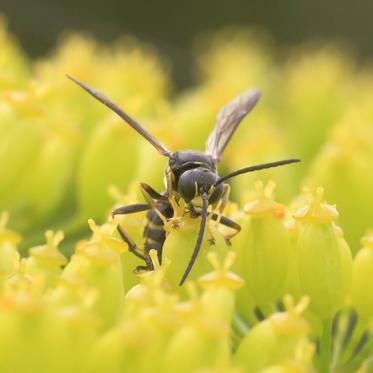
<point x="193" y="183"/>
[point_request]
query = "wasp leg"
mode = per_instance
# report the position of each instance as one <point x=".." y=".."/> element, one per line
<point x="192" y="211"/>
<point x="178" y="209"/>
<point x="224" y="198"/>
<point x="228" y="223"/>
<point x="195" y="212"/>
<point x="130" y="209"/>
<point x="150" y="201"/>
<point x="221" y="219"/>
<point x="212" y="238"/>
<point x="153" y="193"/>
<point x="220" y="206"/>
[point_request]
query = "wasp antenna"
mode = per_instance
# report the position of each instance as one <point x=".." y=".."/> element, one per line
<point x="199" y="239"/>
<point x="256" y="168"/>
<point x="136" y="126"/>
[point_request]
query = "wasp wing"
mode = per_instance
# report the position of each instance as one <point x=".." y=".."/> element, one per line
<point x="227" y="121"/>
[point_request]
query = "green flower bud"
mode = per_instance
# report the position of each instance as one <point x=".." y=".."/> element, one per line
<point x="133" y="224"/>
<point x="292" y="282"/>
<point x="244" y="50"/>
<point x="20" y="137"/>
<point x="264" y="144"/>
<point x="263" y="248"/>
<point x="69" y="328"/>
<point x="301" y="363"/>
<point x="14" y="68"/>
<point x="204" y="333"/>
<point x="314" y="88"/>
<point x="204" y="351"/>
<point x="9" y="256"/>
<point x="324" y="258"/>
<point x="97" y="264"/>
<point x="179" y="246"/>
<point x="46" y="261"/>
<point x="43" y="183"/>
<point x="21" y="319"/>
<point x="104" y="163"/>
<point x="362" y="295"/>
<point x="219" y="286"/>
<point x="274" y="340"/>
<point x="192" y="114"/>
<point x="151" y="317"/>
<point x="153" y="291"/>
<point x="150" y="165"/>
<point x="134" y="345"/>
<point x="344" y="165"/>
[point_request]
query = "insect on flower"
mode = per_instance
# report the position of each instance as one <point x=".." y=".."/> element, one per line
<point x="191" y="176"/>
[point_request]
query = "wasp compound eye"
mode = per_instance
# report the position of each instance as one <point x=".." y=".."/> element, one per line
<point x="188" y="187"/>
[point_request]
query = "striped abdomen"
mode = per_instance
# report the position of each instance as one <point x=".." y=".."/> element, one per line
<point x="154" y="233"/>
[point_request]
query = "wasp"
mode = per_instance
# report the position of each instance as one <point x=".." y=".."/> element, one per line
<point x="190" y="176"/>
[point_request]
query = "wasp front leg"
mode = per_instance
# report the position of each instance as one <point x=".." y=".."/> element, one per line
<point x="219" y="206"/>
<point x="223" y="200"/>
<point x="179" y="204"/>
<point x="227" y="222"/>
<point x="223" y="220"/>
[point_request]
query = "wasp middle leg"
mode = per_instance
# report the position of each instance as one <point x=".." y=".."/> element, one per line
<point x="159" y="211"/>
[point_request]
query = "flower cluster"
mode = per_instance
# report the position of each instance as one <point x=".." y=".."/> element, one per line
<point x="289" y="293"/>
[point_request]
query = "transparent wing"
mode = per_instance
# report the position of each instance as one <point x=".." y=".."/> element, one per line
<point x="227" y="121"/>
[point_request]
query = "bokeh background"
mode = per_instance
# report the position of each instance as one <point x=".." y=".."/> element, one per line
<point x="66" y="160"/>
<point x="174" y="26"/>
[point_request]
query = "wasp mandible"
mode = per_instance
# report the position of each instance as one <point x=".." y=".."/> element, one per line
<point x="190" y="174"/>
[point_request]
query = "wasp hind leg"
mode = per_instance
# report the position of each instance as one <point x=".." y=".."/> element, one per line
<point x="130" y="209"/>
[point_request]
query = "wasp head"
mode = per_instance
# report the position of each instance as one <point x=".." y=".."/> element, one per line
<point x="193" y="183"/>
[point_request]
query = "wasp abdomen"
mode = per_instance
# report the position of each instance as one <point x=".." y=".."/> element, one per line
<point x="154" y="233"/>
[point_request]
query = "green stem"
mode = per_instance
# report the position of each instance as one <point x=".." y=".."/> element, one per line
<point x="239" y="326"/>
<point x="326" y="346"/>
<point x="341" y="334"/>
